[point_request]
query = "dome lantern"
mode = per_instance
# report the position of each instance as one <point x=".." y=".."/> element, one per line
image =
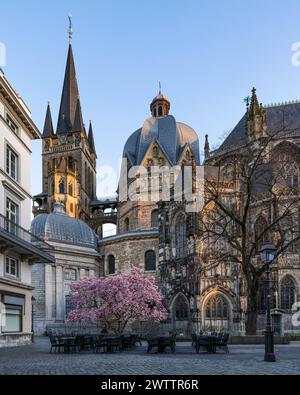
<point x="160" y="106"/>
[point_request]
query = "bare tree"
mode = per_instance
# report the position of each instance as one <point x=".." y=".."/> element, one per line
<point x="259" y="183"/>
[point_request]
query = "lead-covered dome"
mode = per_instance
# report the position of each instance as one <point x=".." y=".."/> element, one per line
<point x="172" y="136"/>
<point x="59" y="227"/>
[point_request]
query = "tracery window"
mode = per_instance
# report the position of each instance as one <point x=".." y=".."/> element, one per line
<point x="61" y="186"/>
<point x="287" y="294"/>
<point x="217" y="307"/>
<point x="181" y="309"/>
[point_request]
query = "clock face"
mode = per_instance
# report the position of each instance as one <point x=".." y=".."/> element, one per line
<point x="63" y="139"/>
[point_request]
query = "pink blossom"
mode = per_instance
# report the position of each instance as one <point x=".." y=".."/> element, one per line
<point x="117" y="300"/>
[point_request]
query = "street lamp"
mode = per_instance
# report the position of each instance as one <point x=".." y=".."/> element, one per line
<point x="267" y="255"/>
<point x="32" y="318"/>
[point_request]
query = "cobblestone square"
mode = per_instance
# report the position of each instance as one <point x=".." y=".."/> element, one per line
<point x="36" y="359"/>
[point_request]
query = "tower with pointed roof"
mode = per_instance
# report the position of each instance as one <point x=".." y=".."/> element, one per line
<point x="69" y="154"/>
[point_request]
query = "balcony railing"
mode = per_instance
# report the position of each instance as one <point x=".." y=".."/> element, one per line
<point x="22" y="234"/>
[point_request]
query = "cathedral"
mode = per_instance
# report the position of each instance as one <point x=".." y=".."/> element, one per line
<point x="160" y="235"/>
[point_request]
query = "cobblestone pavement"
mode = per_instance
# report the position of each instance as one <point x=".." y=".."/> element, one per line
<point x="36" y="359"/>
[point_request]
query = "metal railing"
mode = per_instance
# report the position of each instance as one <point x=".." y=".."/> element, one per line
<point x="17" y="231"/>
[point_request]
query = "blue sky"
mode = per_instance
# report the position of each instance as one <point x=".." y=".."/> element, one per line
<point x="207" y="53"/>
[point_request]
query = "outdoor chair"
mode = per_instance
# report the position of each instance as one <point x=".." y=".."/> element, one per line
<point x="55" y="343"/>
<point x="223" y="343"/>
<point x="99" y="343"/>
<point x="194" y="340"/>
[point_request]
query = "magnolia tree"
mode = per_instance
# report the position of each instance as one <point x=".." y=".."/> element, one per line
<point x="117" y="300"/>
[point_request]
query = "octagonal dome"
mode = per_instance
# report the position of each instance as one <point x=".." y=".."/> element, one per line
<point x="171" y="135"/>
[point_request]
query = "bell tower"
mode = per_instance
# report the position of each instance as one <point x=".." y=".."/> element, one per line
<point x="69" y="154"/>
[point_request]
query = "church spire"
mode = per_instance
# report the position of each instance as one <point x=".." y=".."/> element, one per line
<point x="78" y="125"/>
<point x="206" y="147"/>
<point x="48" y="126"/>
<point x="91" y="140"/>
<point x="70" y="93"/>
<point x="255" y="118"/>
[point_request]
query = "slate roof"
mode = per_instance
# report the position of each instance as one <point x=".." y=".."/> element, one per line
<point x="282" y="118"/>
<point x="70" y="94"/>
<point x="48" y="126"/>
<point x="172" y="136"/>
<point x="59" y="227"/>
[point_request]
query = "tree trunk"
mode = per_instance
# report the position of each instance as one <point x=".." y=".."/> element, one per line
<point x="252" y="312"/>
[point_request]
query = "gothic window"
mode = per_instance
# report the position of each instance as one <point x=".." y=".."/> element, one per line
<point x="126" y="224"/>
<point x="160" y="111"/>
<point x="61" y="186"/>
<point x="150" y="261"/>
<point x="71" y="208"/>
<point x="86" y="177"/>
<point x="217" y="308"/>
<point x="111" y="264"/>
<point x="291" y="172"/>
<point x="71" y="164"/>
<point x="261" y="235"/>
<point x="154" y="219"/>
<point x="180" y="236"/>
<point x="181" y="309"/>
<point x="70" y="190"/>
<point x="288" y="291"/>
<point x="262" y="301"/>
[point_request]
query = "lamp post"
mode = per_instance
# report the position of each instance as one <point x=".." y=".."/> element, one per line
<point x="267" y="255"/>
<point x="32" y="318"/>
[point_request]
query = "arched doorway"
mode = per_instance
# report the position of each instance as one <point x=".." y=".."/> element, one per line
<point x="217" y="313"/>
<point x="180" y="313"/>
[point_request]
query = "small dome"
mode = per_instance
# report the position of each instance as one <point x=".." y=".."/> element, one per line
<point x="59" y="227"/>
<point x="171" y="135"/>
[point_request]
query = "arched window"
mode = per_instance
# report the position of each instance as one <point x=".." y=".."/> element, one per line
<point x="155" y="113"/>
<point x="71" y="208"/>
<point x="154" y="219"/>
<point x="262" y="301"/>
<point x="181" y="309"/>
<point x="217" y="308"/>
<point x="287" y="293"/>
<point x="160" y="111"/>
<point x="150" y="261"/>
<point x="126" y="224"/>
<point x="291" y="172"/>
<point x="261" y="234"/>
<point x="61" y="186"/>
<point x="86" y="177"/>
<point x="71" y="163"/>
<point x="70" y="190"/>
<point x="111" y="264"/>
<point x="180" y="236"/>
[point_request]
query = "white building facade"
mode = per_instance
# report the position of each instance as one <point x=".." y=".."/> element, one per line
<point x="18" y="248"/>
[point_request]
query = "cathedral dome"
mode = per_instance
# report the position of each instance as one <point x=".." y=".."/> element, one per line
<point x="59" y="227"/>
<point x="172" y="136"/>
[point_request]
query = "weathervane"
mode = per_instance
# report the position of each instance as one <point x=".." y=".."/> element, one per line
<point x="70" y="28"/>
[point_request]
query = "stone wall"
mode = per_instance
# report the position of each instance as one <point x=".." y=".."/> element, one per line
<point x="130" y="252"/>
<point x="20" y="339"/>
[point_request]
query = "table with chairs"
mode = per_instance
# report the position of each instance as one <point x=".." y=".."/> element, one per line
<point x="161" y="343"/>
<point x="68" y="343"/>
<point x="210" y="342"/>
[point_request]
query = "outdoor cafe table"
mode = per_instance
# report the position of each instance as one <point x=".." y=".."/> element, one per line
<point x="209" y="342"/>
